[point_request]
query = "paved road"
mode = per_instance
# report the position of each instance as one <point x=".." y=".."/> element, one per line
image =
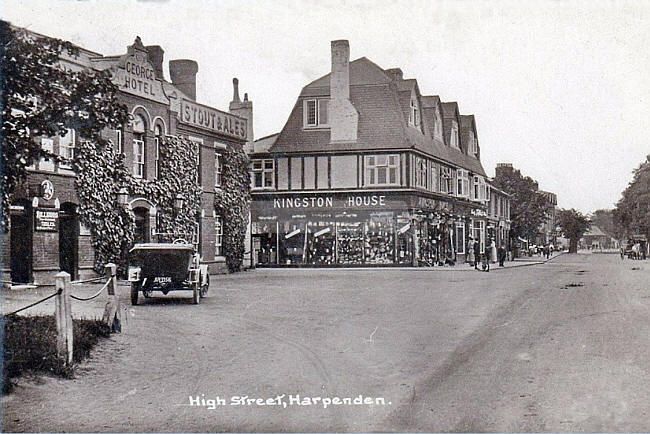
<point x="556" y="347"/>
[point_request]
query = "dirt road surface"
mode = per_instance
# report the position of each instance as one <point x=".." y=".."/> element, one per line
<point x="556" y="347"/>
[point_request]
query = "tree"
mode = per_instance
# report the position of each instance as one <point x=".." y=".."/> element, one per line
<point x="39" y="98"/>
<point x="632" y="211"/>
<point x="528" y="207"/>
<point x="573" y="225"/>
<point x="604" y="219"/>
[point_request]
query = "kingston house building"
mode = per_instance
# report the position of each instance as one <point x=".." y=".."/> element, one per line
<point x="367" y="171"/>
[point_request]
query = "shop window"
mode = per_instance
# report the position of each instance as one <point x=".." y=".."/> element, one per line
<point x="217" y="170"/>
<point x="218" y="236"/>
<point x="421" y="173"/>
<point x="316" y="113"/>
<point x="66" y="149"/>
<point x="47" y="163"/>
<point x="380" y="239"/>
<point x="460" y="238"/>
<point x="262" y="173"/>
<point x="462" y="183"/>
<point x="478" y="233"/>
<point x="382" y="170"/>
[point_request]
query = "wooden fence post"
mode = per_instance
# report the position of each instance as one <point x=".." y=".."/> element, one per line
<point x="112" y="310"/>
<point x="63" y="314"/>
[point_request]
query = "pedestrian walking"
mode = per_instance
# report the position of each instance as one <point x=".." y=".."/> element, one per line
<point x="477" y="253"/>
<point x="547" y="251"/>
<point x="493" y="251"/>
<point x="501" y="253"/>
<point x="622" y="251"/>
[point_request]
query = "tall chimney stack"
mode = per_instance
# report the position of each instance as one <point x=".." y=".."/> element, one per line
<point x="243" y="109"/>
<point x="156" y="55"/>
<point x="183" y="75"/>
<point x="344" y="118"/>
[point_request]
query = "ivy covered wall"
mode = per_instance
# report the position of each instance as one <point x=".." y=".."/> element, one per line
<point x="232" y="202"/>
<point x="101" y="173"/>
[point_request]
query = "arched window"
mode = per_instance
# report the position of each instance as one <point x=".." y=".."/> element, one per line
<point x="158" y="132"/>
<point x="139" y="146"/>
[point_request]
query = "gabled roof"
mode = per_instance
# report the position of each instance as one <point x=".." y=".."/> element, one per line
<point x="362" y="71"/>
<point x="594" y="231"/>
<point x="383" y="104"/>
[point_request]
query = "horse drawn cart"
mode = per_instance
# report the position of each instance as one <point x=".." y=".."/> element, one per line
<point x="166" y="267"/>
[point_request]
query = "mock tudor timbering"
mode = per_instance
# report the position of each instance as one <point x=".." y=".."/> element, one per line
<point x="367" y="171"/>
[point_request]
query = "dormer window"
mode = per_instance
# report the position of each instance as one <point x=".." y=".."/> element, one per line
<point x="437" y="127"/>
<point x="414" y="114"/>
<point x="472" y="145"/>
<point x="454" y="143"/>
<point x="316" y="113"/>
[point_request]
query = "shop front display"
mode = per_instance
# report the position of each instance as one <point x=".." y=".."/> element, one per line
<point x="336" y="233"/>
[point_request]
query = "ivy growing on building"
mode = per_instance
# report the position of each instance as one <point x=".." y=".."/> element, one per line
<point x="101" y="174"/>
<point x="232" y="202"/>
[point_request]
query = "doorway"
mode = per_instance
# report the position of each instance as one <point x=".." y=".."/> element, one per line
<point x="141" y="225"/>
<point x="68" y="239"/>
<point x="21" y="243"/>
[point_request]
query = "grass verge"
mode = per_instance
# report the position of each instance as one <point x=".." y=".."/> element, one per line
<point x="29" y="346"/>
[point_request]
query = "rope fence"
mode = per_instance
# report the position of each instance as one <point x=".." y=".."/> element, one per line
<point x="97" y="294"/>
<point x="63" y="310"/>
<point x="35" y="303"/>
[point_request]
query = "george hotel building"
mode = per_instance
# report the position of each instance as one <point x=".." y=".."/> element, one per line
<point x="45" y="233"/>
<point x="368" y="171"/>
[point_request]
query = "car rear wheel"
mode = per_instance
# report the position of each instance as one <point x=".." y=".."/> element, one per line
<point x="196" y="296"/>
<point x="135" y="289"/>
<point x="204" y="288"/>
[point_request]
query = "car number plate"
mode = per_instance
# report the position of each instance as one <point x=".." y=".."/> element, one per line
<point x="162" y="280"/>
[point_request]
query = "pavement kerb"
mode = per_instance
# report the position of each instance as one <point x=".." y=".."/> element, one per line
<point x="512" y="264"/>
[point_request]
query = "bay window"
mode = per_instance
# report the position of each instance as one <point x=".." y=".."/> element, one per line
<point x="462" y="182"/>
<point x="434" y="184"/>
<point x="382" y="170"/>
<point x="479" y="189"/>
<point x="446" y="180"/>
<point x="421" y="174"/>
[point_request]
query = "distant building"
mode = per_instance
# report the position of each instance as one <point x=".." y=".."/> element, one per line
<point x="596" y="239"/>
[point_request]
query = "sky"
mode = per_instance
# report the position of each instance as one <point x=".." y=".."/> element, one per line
<point x="559" y="89"/>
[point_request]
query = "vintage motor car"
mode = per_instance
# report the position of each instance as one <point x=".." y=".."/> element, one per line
<point x="166" y="267"/>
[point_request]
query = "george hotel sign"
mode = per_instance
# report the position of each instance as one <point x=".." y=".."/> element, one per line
<point x="136" y="76"/>
<point x="198" y="115"/>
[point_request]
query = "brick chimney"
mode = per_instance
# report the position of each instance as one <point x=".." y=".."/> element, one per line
<point x="156" y="54"/>
<point x="183" y="75"/>
<point x="344" y="118"/>
<point x="243" y="109"/>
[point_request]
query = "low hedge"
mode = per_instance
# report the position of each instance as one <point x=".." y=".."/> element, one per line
<point x="29" y="346"/>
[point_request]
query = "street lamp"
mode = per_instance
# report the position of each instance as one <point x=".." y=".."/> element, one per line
<point x="178" y="203"/>
<point x="122" y="197"/>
